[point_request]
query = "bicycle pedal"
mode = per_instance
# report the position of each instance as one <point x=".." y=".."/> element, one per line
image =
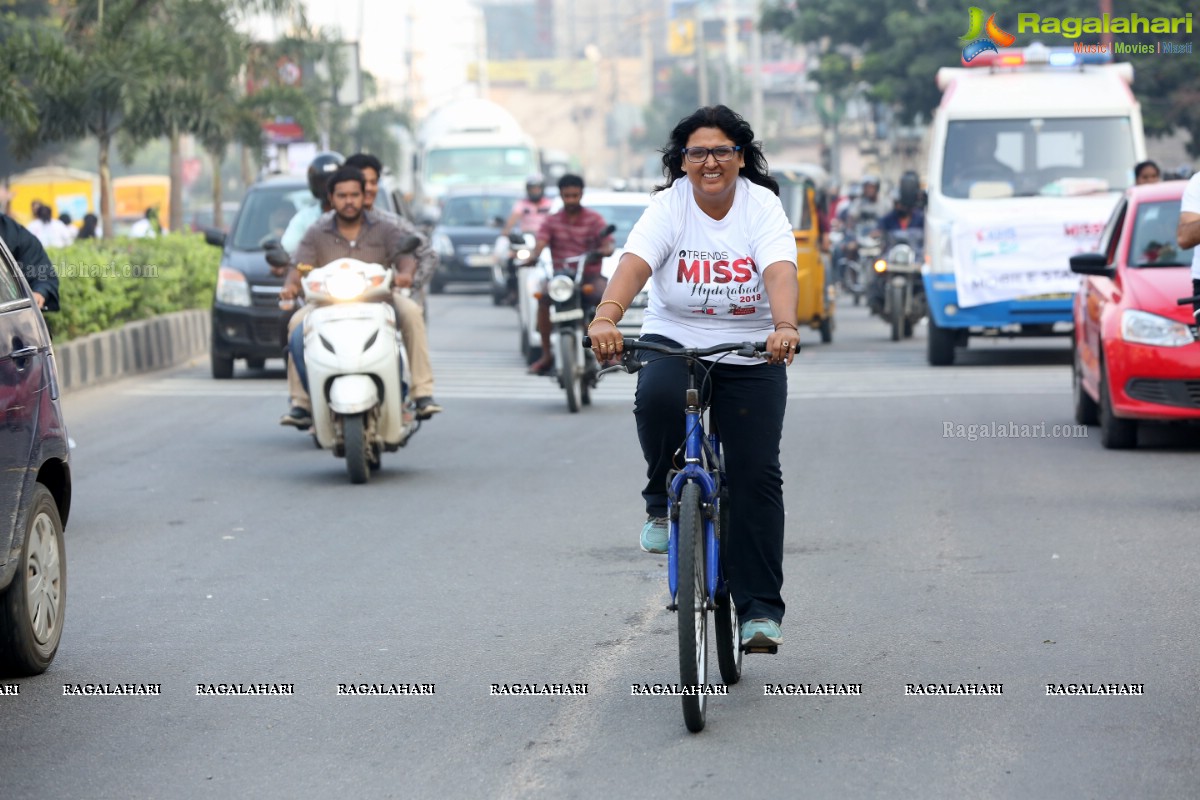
<point x="772" y="650"/>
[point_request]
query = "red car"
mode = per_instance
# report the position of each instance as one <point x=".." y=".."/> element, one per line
<point x="1136" y="356"/>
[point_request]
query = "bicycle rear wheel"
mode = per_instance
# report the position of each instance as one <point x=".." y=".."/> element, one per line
<point x="725" y="618"/>
<point x="692" y="617"/>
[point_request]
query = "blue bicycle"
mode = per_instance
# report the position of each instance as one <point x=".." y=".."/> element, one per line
<point x="698" y="509"/>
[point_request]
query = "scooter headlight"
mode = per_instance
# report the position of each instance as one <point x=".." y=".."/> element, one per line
<point x="561" y="288"/>
<point x="523" y="254"/>
<point x="345" y="285"/>
<point x="881" y="265"/>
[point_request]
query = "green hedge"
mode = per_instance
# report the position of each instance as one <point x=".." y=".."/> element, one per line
<point x="104" y="284"/>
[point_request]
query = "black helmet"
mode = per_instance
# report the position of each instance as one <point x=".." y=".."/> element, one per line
<point x="319" y="170"/>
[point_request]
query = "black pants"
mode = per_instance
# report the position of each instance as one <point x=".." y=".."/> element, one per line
<point x="748" y="402"/>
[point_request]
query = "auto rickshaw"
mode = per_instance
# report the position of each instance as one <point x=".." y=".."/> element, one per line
<point x="798" y="188"/>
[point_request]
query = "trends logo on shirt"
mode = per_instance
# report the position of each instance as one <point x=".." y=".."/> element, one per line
<point x="701" y="266"/>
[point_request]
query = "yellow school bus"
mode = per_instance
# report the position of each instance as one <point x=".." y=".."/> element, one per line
<point x="133" y="194"/>
<point x="74" y="191"/>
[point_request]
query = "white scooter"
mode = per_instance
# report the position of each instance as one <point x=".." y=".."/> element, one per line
<point x="356" y="364"/>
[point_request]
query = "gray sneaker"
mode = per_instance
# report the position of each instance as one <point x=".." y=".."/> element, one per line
<point x="656" y="533"/>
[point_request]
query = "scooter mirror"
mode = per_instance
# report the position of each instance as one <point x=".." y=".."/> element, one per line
<point x="410" y="243"/>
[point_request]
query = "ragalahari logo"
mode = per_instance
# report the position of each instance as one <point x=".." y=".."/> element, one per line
<point x="981" y="37"/>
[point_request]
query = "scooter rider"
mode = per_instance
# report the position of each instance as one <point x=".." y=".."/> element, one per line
<point x="527" y="217"/>
<point x="531" y="211"/>
<point x="353" y="232"/>
<point x="372" y="168"/>
<point x="571" y="232"/>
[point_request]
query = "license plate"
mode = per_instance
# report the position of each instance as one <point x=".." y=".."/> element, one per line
<point x="480" y="260"/>
<point x="566" y="316"/>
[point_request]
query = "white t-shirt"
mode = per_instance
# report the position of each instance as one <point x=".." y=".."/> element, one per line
<point x="1191" y="202"/>
<point x="707" y="286"/>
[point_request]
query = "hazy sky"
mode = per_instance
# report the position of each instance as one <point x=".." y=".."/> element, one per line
<point x="443" y="33"/>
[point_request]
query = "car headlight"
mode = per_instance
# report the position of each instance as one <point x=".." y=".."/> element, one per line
<point x="561" y="288"/>
<point x="232" y="289"/>
<point x="1145" y="328"/>
<point x="442" y="245"/>
<point x="345" y="285"/>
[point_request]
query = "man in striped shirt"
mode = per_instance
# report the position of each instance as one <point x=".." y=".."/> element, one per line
<point x="570" y="233"/>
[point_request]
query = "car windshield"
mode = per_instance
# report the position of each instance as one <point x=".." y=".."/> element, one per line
<point x="476" y="211"/>
<point x="265" y="214"/>
<point x="1153" y="242"/>
<point x="622" y="216"/>
<point x="1029" y="157"/>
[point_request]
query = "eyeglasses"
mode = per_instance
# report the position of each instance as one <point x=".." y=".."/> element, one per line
<point x="698" y="155"/>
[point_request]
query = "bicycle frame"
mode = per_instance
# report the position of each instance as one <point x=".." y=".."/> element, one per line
<point x="699" y="448"/>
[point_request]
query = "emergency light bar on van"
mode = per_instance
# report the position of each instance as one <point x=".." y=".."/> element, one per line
<point x="1037" y="54"/>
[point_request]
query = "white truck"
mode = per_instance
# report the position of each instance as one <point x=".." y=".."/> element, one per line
<point x="1029" y="153"/>
<point x="471" y="142"/>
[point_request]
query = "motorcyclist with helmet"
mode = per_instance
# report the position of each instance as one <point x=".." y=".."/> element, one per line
<point x="867" y="207"/>
<point x="530" y="211"/>
<point x="906" y="215"/>
<point x="319" y="170"/>
<point x="527" y="216"/>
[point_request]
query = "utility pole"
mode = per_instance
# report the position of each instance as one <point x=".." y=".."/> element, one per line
<point x="701" y="63"/>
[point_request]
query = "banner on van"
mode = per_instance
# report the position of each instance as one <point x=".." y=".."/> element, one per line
<point x="1000" y="262"/>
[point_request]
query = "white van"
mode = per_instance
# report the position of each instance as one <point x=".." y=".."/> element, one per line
<point x="1030" y="150"/>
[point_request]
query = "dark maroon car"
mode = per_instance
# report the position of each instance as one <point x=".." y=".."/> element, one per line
<point x="35" y="483"/>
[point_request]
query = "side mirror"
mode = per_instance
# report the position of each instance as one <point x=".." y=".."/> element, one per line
<point x="497" y="222"/>
<point x="608" y="231"/>
<point x="277" y="256"/>
<point x="410" y="244"/>
<point x="517" y="238"/>
<point x="214" y="237"/>
<point x="1092" y="264"/>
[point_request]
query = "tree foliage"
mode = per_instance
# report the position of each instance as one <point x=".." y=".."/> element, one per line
<point x="897" y="46"/>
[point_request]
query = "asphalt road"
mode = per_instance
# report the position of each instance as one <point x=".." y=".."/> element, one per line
<point x="208" y="545"/>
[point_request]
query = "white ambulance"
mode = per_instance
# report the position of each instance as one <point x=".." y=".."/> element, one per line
<point x="1030" y="150"/>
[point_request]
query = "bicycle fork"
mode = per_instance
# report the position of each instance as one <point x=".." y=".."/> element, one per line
<point x="694" y="472"/>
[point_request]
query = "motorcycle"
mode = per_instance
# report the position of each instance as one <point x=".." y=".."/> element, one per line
<point x="860" y="250"/>
<point x="510" y="250"/>
<point x="899" y="276"/>
<point x="355" y="363"/>
<point x="571" y="309"/>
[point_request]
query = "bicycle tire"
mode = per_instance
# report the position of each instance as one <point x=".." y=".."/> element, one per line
<point x="725" y="618"/>
<point x="566" y="356"/>
<point x="692" y="616"/>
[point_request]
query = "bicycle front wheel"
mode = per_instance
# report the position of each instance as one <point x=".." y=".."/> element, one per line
<point x="690" y="600"/>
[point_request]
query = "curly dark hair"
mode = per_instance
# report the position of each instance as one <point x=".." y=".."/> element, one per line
<point x="732" y="125"/>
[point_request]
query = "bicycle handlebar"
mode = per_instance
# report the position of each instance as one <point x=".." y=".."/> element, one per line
<point x="744" y="349"/>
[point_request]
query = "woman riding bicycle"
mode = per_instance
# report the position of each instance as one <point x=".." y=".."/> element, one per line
<point x="720" y="251"/>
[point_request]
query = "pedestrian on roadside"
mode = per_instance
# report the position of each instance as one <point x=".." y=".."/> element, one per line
<point x="88" y="229"/>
